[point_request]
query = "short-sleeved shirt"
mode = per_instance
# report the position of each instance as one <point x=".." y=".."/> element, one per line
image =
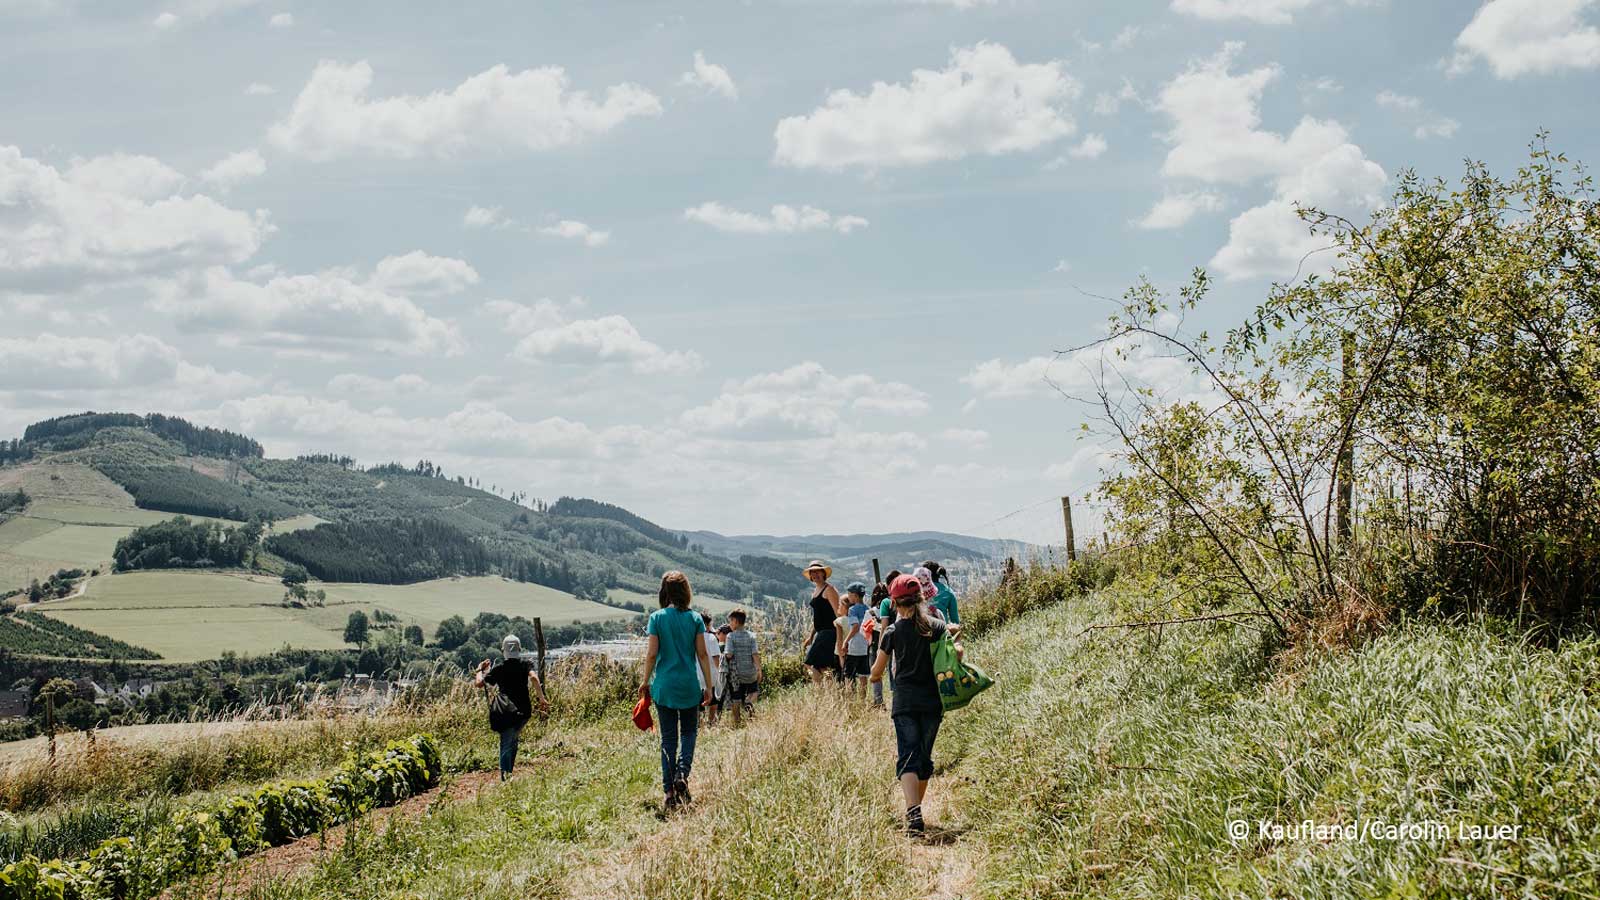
<point x="511" y="677"/>
<point x="911" y="667"/>
<point x="739" y="655"/>
<point x="857" y="645"/>
<point x="945" y="601"/>
<point x="675" y="683"/>
<point x="714" y="654"/>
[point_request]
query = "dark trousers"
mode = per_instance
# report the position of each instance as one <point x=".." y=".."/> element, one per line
<point x="679" y="727"/>
<point x="914" y="733"/>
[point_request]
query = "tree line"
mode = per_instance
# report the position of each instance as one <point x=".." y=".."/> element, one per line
<point x="180" y="543"/>
<point x="196" y="439"/>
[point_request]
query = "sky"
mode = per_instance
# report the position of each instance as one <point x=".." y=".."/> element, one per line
<point x="776" y="267"/>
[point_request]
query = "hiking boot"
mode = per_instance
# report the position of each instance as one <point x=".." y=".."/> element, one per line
<point x="670" y="803"/>
<point x="914" y="826"/>
<point x="680" y="789"/>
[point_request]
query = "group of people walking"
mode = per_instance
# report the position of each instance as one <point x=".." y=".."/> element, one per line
<point x="896" y="632"/>
<point x="691" y="669"/>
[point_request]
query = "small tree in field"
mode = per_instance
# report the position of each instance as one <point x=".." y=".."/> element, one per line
<point x="355" y="630"/>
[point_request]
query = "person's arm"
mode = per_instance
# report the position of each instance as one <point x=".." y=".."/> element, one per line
<point x="832" y="596"/>
<point x="878" y="665"/>
<point x="806" y="644"/>
<point x="652" y="647"/>
<point x="855" y="629"/>
<point x="705" y="669"/>
<point x="538" y="690"/>
<point x="478" y="676"/>
<point x="755" y="656"/>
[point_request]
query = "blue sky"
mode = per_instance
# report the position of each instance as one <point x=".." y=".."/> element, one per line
<point x="779" y="267"/>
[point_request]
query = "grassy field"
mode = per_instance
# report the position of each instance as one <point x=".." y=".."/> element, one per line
<point x="74" y="521"/>
<point x="188" y="616"/>
<point x="1103" y="764"/>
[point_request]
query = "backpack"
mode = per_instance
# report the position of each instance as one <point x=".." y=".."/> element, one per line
<point x="958" y="682"/>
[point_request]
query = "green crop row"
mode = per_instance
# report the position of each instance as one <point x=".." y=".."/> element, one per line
<point x="198" y="840"/>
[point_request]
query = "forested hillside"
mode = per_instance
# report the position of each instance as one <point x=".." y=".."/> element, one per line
<point x="391" y="524"/>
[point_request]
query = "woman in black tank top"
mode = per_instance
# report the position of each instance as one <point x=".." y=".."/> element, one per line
<point x="822" y="658"/>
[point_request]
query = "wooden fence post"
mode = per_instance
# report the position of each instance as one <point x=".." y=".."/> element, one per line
<point x="538" y="640"/>
<point x="1066" y="515"/>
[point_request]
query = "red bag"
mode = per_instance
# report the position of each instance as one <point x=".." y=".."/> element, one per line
<point x="641" y="714"/>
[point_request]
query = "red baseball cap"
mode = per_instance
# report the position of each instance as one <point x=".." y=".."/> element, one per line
<point x="905" y="586"/>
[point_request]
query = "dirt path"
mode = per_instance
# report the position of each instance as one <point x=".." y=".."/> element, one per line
<point x="275" y="863"/>
<point x="725" y="761"/>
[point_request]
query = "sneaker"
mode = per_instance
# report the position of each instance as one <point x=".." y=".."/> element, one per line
<point x="680" y="789"/>
<point x="671" y="802"/>
<point x="914" y="826"/>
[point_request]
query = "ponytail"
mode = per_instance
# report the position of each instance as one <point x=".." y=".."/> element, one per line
<point x="919" y="616"/>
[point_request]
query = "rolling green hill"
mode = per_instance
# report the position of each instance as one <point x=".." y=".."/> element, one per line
<point x="406" y="540"/>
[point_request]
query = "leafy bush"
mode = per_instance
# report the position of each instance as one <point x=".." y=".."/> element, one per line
<point x="195" y="841"/>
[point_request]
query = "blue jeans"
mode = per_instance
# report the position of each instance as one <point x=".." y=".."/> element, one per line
<point x="678" y="730"/>
<point x="508" y="749"/>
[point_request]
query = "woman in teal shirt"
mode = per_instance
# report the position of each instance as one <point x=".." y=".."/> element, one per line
<point x="675" y="648"/>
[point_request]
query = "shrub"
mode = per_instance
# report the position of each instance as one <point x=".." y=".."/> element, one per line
<point x="195" y="841"/>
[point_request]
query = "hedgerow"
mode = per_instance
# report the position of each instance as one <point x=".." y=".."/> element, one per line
<point x="197" y="840"/>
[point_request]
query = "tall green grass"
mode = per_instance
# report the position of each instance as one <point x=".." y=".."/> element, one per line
<point x="1108" y="764"/>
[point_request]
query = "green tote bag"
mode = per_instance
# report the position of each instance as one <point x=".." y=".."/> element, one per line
<point x="958" y="682"/>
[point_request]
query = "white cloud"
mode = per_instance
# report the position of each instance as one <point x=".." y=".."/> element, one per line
<point x="486" y="217"/>
<point x="1216" y="138"/>
<point x="549" y="334"/>
<point x="1529" y="37"/>
<point x="366" y="385"/>
<point x="971" y="438"/>
<point x="1126" y="37"/>
<point x="782" y="220"/>
<point x="1425" y="124"/>
<point x="1062" y="266"/>
<point x="422" y="273"/>
<point x="257" y="89"/>
<point x="1265" y="12"/>
<point x="1391" y="100"/>
<point x="1311" y="89"/>
<point x="139" y="177"/>
<point x="1107" y="103"/>
<point x="711" y="77"/>
<point x="497" y="109"/>
<point x="235" y="169"/>
<point x="99" y="223"/>
<point x="1176" y="209"/>
<point x="1137" y="361"/>
<point x="522" y="318"/>
<point x="1441" y="127"/>
<point x="282" y="20"/>
<point x="996" y="378"/>
<point x="802" y="399"/>
<point x="477" y="429"/>
<point x="330" y="313"/>
<point x="983" y="103"/>
<point x="49" y="362"/>
<point x="578" y="231"/>
<point x="187" y="11"/>
<point x="1091" y="147"/>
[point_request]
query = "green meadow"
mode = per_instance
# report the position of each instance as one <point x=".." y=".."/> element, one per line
<point x="190" y="616"/>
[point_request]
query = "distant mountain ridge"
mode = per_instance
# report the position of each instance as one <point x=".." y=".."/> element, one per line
<point x="854" y="552"/>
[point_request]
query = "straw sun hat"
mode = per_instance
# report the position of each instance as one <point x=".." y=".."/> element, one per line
<point x="815" y="564"/>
